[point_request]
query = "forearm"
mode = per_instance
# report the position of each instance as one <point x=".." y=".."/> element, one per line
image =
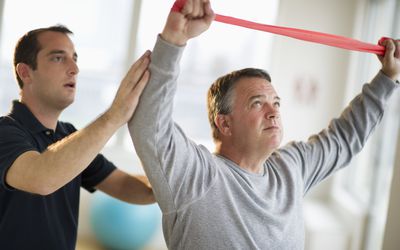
<point x="154" y="112"/>
<point x="151" y="126"/>
<point x="133" y="189"/>
<point x="44" y="173"/>
<point x="364" y="113"/>
<point x="334" y="147"/>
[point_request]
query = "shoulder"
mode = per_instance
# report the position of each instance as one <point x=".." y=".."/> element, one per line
<point x="4" y="120"/>
<point x="291" y="150"/>
<point x="9" y="124"/>
<point x="12" y="131"/>
<point x="14" y="138"/>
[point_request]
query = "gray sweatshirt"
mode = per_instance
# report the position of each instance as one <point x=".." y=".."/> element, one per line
<point x="208" y="201"/>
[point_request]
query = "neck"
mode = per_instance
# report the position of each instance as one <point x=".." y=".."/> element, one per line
<point x="250" y="160"/>
<point x="44" y="113"/>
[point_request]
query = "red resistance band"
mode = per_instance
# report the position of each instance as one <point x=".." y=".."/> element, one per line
<point x="306" y="35"/>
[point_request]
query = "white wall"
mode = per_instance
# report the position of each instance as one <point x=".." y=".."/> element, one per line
<point x="294" y="59"/>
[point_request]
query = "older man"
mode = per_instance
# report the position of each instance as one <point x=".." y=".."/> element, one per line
<point x="248" y="194"/>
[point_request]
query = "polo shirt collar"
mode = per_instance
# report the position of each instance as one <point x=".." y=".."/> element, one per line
<point x="22" y="113"/>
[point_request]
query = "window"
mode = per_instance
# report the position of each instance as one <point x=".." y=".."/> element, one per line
<point x="368" y="180"/>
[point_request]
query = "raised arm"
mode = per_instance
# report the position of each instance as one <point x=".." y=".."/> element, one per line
<point x="44" y="173"/>
<point x="172" y="162"/>
<point x="334" y="147"/>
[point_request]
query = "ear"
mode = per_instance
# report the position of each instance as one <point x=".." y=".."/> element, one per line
<point x="223" y="124"/>
<point x="23" y="70"/>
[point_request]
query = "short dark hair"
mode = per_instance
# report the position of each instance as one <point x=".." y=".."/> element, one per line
<point x="28" y="47"/>
<point x="219" y="96"/>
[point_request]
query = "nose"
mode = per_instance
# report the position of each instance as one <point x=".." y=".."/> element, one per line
<point x="272" y="115"/>
<point x="73" y="68"/>
<point x="271" y="112"/>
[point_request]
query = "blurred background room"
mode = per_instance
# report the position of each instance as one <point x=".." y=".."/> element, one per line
<point x="356" y="209"/>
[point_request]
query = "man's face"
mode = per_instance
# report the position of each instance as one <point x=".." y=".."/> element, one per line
<point x="255" y="117"/>
<point x="54" y="80"/>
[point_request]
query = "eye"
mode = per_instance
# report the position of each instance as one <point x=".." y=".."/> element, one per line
<point x="57" y="59"/>
<point x="277" y="104"/>
<point x="256" y="104"/>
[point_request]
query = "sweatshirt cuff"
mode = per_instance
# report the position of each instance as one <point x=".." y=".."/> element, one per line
<point x="383" y="86"/>
<point x="166" y="56"/>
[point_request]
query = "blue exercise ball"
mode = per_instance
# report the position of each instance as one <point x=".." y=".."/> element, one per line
<point x="122" y="226"/>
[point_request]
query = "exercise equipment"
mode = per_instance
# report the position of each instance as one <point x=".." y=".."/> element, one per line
<point x="306" y="35"/>
<point x="122" y="226"/>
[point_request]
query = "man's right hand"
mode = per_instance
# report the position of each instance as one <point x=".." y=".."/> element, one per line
<point x="194" y="18"/>
<point x="391" y="60"/>
<point x="127" y="97"/>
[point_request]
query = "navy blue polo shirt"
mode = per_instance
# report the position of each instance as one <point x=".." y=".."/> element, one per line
<point x="31" y="221"/>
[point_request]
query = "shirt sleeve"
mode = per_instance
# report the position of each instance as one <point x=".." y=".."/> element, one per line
<point x="334" y="147"/>
<point x="179" y="170"/>
<point x="96" y="172"/>
<point x="14" y="141"/>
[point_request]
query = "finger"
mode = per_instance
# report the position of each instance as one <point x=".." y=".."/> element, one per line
<point x="382" y="40"/>
<point x="397" y="48"/>
<point x="390" y="48"/>
<point x="139" y="72"/>
<point x="195" y="9"/>
<point x="209" y="13"/>
<point x="147" y="53"/>
<point x="200" y="5"/>
<point x="178" y="5"/>
<point x="142" y="83"/>
<point x="139" y="61"/>
<point x="138" y="68"/>
<point x="187" y="8"/>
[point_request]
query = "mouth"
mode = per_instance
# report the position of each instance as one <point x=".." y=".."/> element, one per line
<point x="271" y="128"/>
<point x="70" y="85"/>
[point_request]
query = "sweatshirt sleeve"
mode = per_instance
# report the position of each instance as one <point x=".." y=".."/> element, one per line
<point x="334" y="147"/>
<point x="178" y="169"/>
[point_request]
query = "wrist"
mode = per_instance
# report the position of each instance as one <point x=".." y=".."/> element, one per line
<point x="390" y="75"/>
<point x="110" y="120"/>
<point x="173" y="38"/>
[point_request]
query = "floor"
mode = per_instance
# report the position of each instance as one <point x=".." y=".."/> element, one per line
<point x="87" y="244"/>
